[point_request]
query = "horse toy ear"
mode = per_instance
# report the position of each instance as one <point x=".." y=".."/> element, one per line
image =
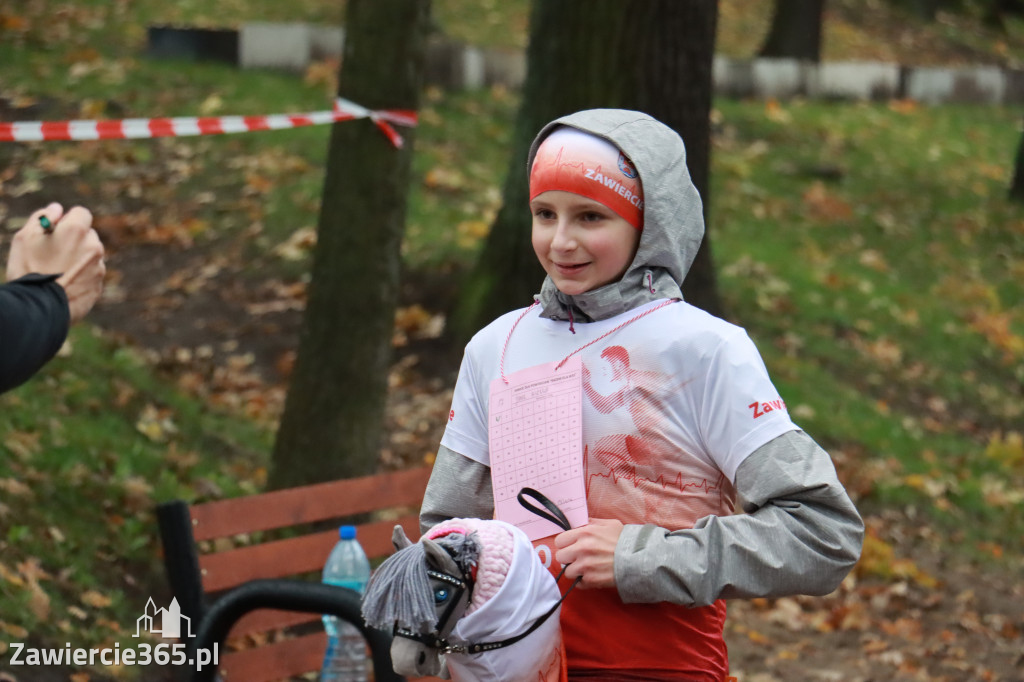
<point x="399" y="539"/>
<point x="439" y="558"/>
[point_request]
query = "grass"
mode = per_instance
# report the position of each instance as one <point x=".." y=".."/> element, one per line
<point x="868" y="249"/>
<point x="884" y="302"/>
<point x="87" y="447"/>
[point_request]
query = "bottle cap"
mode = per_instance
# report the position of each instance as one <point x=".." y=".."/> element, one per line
<point x="347" y="532"/>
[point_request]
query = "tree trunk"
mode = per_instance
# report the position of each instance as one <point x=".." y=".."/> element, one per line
<point x="650" y="55"/>
<point x="332" y="422"/>
<point x="676" y="44"/>
<point x="994" y="15"/>
<point x="796" y="30"/>
<point x="1017" y="186"/>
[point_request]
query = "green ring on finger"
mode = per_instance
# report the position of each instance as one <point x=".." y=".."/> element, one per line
<point x="45" y="222"/>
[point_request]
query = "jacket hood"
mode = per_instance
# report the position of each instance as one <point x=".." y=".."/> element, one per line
<point x="673" y="216"/>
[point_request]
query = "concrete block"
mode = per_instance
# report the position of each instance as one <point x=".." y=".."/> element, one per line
<point x="732" y="77"/>
<point x="473" y="72"/>
<point x="929" y="84"/>
<point x="326" y="42"/>
<point x="504" y="67"/>
<point x="978" y="85"/>
<point x="855" y="80"/>
<point x="1014" y="93"/>
<point x="287" y="47"/>
<point x="781" y="78"/>
<point x="444" y="65"/>
<point x="197" y="44"/>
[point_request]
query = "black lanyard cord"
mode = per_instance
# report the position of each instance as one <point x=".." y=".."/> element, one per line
<point x="552" y="513"/>
<point x="557" y="517"/>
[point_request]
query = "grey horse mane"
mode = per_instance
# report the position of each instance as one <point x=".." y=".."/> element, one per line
<point x="399" y="591"/>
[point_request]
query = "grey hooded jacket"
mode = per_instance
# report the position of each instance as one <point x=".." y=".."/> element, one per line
<point x="800" y="534"/>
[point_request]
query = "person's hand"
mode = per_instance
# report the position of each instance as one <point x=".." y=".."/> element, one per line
<point x="70" y="248"/>
<point x="589" y="552"/>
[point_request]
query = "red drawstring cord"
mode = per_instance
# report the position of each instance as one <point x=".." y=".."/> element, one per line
<point x="501" y="364"/>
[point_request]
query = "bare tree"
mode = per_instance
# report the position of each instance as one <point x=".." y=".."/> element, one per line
<point x="332" y="423"/>
<point x="796" y="30"/>
<point x="1017" y="186"/>
<point x="651" y="55"/>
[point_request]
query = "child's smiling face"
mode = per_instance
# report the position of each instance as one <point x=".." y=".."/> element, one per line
<point x="581" y="243"/>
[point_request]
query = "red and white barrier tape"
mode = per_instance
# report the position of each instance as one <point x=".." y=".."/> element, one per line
<point x="137" y="128"/>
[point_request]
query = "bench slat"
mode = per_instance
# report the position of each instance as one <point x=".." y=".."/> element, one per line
<point x="295" y="556"/>
<point x="281" y="508"/>
<point x="263" y="620"/>
<point x="278" y="661"/>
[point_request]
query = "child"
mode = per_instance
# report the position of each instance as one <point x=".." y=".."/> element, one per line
<point x="678" y="417"/>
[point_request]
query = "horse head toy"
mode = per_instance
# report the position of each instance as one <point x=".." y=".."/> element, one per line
<point x="471" y="600"/>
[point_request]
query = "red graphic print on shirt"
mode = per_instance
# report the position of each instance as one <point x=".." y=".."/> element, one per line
<point x="643" y="476"/>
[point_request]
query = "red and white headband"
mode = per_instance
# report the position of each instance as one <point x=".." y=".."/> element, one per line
<point x="571" y="160"/>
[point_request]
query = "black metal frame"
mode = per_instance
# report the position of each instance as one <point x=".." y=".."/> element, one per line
<point x="181" y="559"/>
<point x="181" y="562"/>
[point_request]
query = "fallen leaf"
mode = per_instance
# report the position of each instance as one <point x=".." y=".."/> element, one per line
<point x="825" y="207"/>
<point x="15" y="631"/>
<point x="32" y="569"/>
<point x="39" y="601"/>
<point x="13" y="22"/>
<point x="96" y="599"/>
<point x="15" y="487"/>
<point x="325" y="73"/>
<point x="470" y="232"/>
<point x="155" y="424"/>
<point x="1007" y="450"/>
<point x="873" y="259"/>
<point x="9" y="576"/>
<point x="903" y="106"/>
<point x="996" y="328"/>
<point x="298" y="246"/>
<point x="443" y="178"/>
<point x="138" y="493"/>
<point x="23" y="444"/>
<point x="774" y="111"/>
<point x="211" y="105"/>
<point x="757" y="637"/>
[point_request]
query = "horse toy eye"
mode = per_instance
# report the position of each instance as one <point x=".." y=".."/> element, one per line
<point x="441" y="595"/>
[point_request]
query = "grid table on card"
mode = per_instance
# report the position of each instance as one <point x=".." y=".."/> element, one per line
<point x="535" y="440"/>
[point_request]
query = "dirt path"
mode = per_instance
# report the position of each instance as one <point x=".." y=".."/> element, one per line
<point x="949" y="619"/>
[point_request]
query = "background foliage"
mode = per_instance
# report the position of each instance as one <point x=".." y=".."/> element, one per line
<point x="867" y="247"/>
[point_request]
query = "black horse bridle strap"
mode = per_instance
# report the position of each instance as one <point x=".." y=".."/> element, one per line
<point x="432" y="639"/>
<point x="555" y="516"/>
<point x="478" y="648"/>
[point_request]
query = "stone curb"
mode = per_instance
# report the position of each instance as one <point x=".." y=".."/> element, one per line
<point x="293" y="46"/>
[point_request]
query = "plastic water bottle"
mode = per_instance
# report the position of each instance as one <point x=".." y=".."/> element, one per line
<point x="345" y="659"/>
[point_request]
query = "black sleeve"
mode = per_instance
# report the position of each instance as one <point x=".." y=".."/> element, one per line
<point x="34" y="321"/>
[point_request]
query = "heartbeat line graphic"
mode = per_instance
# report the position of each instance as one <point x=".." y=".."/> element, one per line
<point x="632" y="476"/>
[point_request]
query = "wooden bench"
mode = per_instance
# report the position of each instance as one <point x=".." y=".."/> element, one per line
<point x="210" y="551"/>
